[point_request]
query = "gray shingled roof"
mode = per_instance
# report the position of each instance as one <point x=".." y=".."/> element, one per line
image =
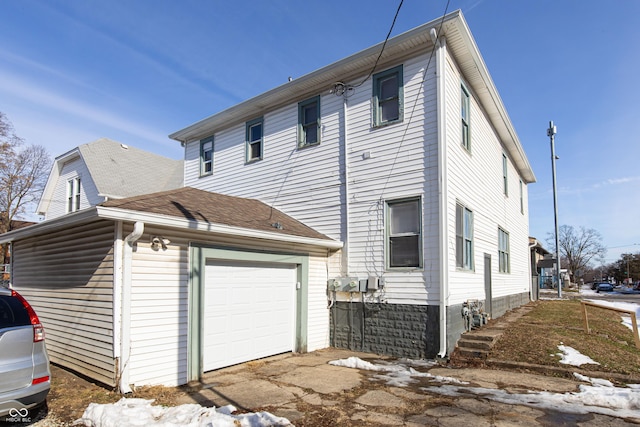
<point x="122" y="171"/>
<point x="214" y="208"/>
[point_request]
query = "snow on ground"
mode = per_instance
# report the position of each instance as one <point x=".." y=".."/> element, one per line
<point x="141" y="412"/>
<point x="600" y="396"/>
<point x="571" y="356"/>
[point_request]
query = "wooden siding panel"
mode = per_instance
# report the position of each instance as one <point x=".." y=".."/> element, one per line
<point x="71" y="289"/>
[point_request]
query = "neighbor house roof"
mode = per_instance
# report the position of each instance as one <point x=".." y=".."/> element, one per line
<point x="118" y="170"/>
<point x="191" y="209"/>
<point x="460" y="44"/>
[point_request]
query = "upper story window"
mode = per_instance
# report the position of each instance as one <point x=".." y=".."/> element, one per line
<point x="521" y="198"/>
<point x="503" y="251"/>
<point x="206" y="156"/>
<point x="309" y="122"/>
<point x="73" y="194"/>
<point x="464" y="115"/>
<point x="254" y="139"/>
<point x="404" y="233"/>
<point x="388" y="97"/>
<point x="505" y="182"/>
<point x="464" y="237"/>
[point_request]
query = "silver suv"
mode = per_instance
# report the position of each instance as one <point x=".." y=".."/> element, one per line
<point x="25" y="377"/>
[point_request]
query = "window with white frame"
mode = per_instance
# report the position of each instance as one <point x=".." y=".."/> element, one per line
<point x="309" y="122"/>
<point x="73" y="194"/>
<point x="464" y="115"/>
<point x="404" y="233"/>
<point x="464" y="237"/>
<point x="505" y="182"/>
<point x="206" y="156"/>
<point x="521" y="198"/>
<point x="254" y="138"/>
<point x="388" y="96"/>
<point x="503" y="251"/>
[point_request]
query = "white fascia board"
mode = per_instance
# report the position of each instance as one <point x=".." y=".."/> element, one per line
<point x="54" y="224"/>
<point x="494" y="102"/>
<point x="183" y="223"/>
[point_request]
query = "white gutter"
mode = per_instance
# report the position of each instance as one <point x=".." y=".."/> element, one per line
<point x="442" y="192"/>
<point x="177" y="222"/>
<point x="138" y="229"/>
<point x="116" y="214"/>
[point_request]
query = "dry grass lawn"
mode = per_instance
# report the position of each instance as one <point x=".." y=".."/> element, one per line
<point x="535" y="337"/>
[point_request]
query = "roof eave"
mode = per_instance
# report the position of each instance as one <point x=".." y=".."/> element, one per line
<point x="304" y="86"/>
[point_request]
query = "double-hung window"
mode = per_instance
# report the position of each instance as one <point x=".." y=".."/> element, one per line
<point x="73" y="194"/>
<point x="503" y="251"/>
<point x="388" y="97"/>
<point x="505" y="182"/>
<point x="254" y="138"/>
<point x="464" y="237"/>
<point x="404" y="233"/>
<point x="206" y="156"/>
<point x="309" y="122"/>
<point x="464" y="114"/>
<point x="521" y="198"/>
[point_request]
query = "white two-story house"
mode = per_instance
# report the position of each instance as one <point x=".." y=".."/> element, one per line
<point x="407" y="156"/>
<point x="358" y="206"/>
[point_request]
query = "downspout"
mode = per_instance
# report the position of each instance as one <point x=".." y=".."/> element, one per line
<point x="129" y="241"/>
<point x="443" y="248"/>
<point x="345" y="248"/>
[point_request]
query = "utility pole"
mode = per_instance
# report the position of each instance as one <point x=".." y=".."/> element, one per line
<point x="550" y="133"/>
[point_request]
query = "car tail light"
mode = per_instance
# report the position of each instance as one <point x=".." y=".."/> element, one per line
<point x="40" y="380"/>
<point x="38" y="329"/>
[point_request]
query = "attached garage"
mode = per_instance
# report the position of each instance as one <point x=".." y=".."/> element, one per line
<point x="248" y="311"/>
<point x="174" y="284"/>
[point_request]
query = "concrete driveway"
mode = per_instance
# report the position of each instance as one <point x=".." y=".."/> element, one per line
<point x="308" y="391"/>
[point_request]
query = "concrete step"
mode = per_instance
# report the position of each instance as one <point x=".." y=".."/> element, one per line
<point x="473" y="344"/>
<point x="471" y="353"/>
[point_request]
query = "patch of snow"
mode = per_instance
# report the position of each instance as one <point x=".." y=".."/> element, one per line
<point x="571" y="356"/>
<point x="398" y="374"/>
<point x="141" y="412"/>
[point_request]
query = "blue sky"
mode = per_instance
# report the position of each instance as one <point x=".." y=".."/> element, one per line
<point x="136" y="71"/>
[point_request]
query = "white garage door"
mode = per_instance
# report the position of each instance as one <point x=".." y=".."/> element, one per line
<point x="248" y="312"/>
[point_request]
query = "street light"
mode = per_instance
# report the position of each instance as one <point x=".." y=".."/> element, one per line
<point x="550" y="133"/>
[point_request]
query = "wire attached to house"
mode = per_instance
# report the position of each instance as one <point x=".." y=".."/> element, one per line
<point x="346" y="90"/>
<point x="415" y="103"/>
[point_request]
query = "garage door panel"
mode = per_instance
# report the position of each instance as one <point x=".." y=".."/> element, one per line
<point x="248" y="312"/>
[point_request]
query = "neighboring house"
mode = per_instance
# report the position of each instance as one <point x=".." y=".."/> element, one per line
<point x="541" y="267"/>
<point x="5" y="268"/>
<point x="103" y="170"/>
<point x="392" y="188"/>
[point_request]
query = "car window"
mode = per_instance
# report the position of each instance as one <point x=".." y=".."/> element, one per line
<point x="12" y="312"/>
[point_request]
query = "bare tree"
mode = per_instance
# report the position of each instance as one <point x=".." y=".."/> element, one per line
<point x="578" y="248"/>
<point x="23" y="175"/>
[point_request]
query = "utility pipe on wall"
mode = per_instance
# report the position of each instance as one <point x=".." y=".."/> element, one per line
<point x="125" y="348"/>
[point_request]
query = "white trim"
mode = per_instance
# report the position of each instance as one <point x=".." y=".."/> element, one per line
<point x="115" y="214"/>
<point x="117" y="287"/>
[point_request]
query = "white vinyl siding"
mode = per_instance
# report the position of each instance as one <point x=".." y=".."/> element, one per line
<point x="87" y="195"/>
<point x="310" y="184"/>
<point x="68" y="278"/>
<point x="477" y="181"/>
<point x="160" y="301"/>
